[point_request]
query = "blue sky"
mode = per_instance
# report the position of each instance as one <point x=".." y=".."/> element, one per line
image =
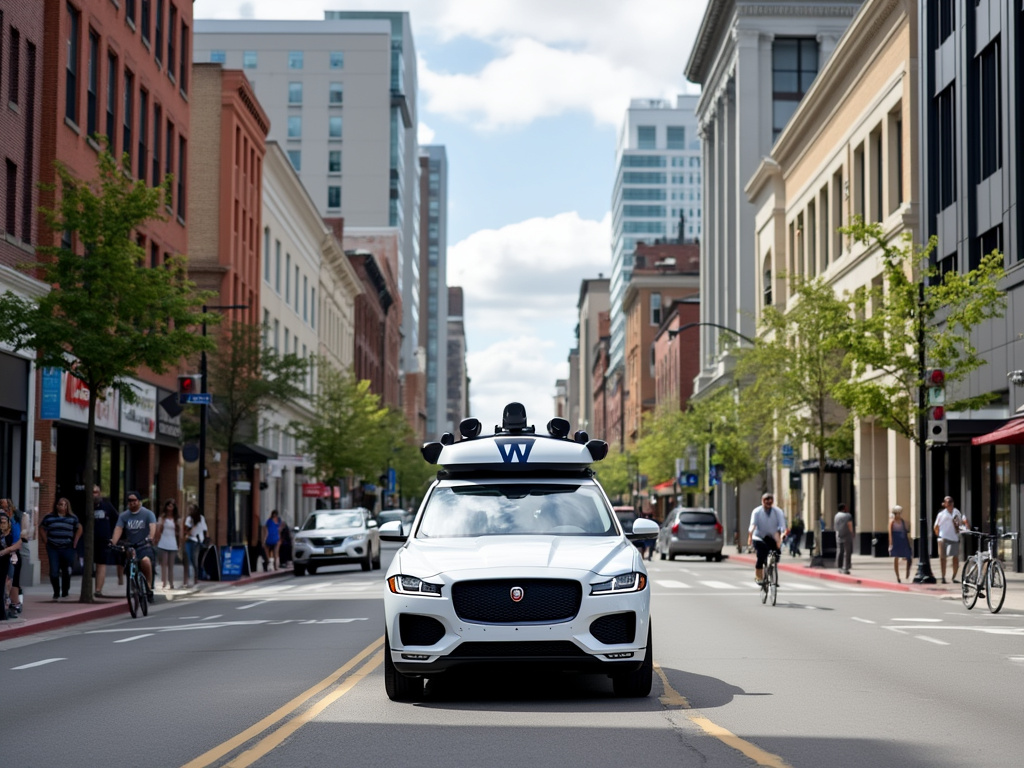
<point x="527" y="96"/>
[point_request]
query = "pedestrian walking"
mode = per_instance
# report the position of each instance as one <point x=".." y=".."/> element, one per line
<point x="195" y="534"/>
<point x="104" y="519"/>
<point x="796" y="535"/>
<point x="169" y="527"/>
<point x="59" y="532"/>
<point x="9" y="546"/>
<point x="899" y="541"/>
<point x="948" y="524"/>
<point x="21" y="529"/>
<point x="286" y="545"/>
<point x="843" y="523"/>
<point x="648" y="544"/>
<point x="272" y="542"/>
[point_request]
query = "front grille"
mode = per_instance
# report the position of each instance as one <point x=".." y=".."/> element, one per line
<point x="615" y="629"/>
<point x="327" y="541"/>
<point x="419" y="630"/>
<point x="544" y="600"/>
<point x="548" y="649"/>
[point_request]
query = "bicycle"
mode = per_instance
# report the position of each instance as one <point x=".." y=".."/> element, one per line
<point x="770" y="582"/>
<point x="983" y="573"/>
<point x="135" y="581"/>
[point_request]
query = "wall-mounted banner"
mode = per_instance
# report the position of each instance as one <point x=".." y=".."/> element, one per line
<point x="74" y="403"/>
<point x="139" y="418"/>
<point x="49" y="405"/>
<point x="167" y="425"/>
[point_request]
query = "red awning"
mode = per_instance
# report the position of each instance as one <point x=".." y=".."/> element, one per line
<point x="666" y="486"/>
<point x="1011" y="433"/>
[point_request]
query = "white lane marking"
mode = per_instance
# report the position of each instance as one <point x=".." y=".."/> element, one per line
<point x="271" y="590"/>
<point x="339" y="621"/>
<point x="137" y="637"/>
<point x="862" y="621"/>
<point x="1012" y="658"/>
<point x="719" y="585"/>
<point x="250" y="605"/>
<point x="187" y="618"/>
<point x="671" y="584"/>
<point x="321" y="585"/>
<point x="920" y="620"/>
<point x="215" y="616"/>
<point x="802" y="586"/>
<point x="930" y="640"/>
<point x="38" y="663"/>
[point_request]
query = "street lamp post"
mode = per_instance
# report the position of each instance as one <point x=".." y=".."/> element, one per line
<point x="924" y="573"/>
<point x="201" y="495"/>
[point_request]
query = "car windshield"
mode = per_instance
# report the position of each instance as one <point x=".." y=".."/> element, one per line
<point x="697" y="518"/>
<point x="516" y="509"/>
<point x="391" y="514"/>
<point x="325" y="520"/>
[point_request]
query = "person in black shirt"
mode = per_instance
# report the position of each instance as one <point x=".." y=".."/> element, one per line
<point x="104" y="520"/>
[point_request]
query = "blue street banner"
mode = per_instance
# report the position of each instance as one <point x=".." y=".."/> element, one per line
<point x="392" y="479"/>
<point x="49" y="405"/>
<point x="232" y="563"/>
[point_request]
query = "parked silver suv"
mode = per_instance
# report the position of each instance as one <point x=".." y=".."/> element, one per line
<point x="690" y="531"/>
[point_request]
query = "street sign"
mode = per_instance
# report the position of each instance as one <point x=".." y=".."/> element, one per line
<point x="199" y="398"/>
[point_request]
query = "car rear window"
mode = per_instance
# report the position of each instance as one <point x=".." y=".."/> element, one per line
<point x="697" y="518"/>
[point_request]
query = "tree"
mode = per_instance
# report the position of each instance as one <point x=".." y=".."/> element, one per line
<point x="348" y="434"/>
<point x="915" y="315"/>
<point x="613" y="472"/>
<point x="412" y="472"/>
<point x="796" y="369"/>
<point x="107" y="314"/>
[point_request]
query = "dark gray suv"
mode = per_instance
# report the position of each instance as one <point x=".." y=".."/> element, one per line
<point x="690" y="531"/>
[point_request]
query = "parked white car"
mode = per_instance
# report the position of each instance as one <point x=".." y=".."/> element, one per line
<point x="336" y="537"/>
<point x="517" y="557"/>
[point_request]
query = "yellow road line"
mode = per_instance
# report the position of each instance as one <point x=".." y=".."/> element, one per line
<point x="275" y="739"/>
<point x="672" y="698"/>
<point x="211" y="756"/>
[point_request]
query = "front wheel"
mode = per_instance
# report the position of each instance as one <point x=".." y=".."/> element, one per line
<point x="995" y="591"/>
<point x="397" y="686"/>
<point x="132" y="589"/>
<point x="636" y="685"/>
<point x="773" y="584"/>
<point x="969" y="583"/>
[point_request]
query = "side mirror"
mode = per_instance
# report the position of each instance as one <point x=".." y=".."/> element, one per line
<point x="394" y="531"/>
<point x="371" y="523"/>
<point x="643" y="530"/>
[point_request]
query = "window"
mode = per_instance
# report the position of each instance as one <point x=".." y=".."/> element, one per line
<point x="218" y="57"/>
<point x="859" y="181"/>
<point x="112" y="102"/>
<point x="182" y="168"/>
<point x="158" y="32"/>
<point x="305" y="297"/>
<point x="294" y="93"/>
<point x="767" y="288"/>
<point x="158" y="126"/>
<point x="294" y="59"/>
<point x="249" y="59"/>
<point x="129" y="11"/>
<point x="989" y="129"/>
<point x="643" y="177"/>
<point x="984" y="245"/>
<point x="337" y="60"/>
<point x="645" y="137"/>
<point x="183" y="61"/>
<point x="676" y="137"/>
<point x="295" y="157"/>
<point x="295" y="127"/>
<point x="945" y="143"/>
<point x="266" y="256"/>
<point x="287" y="276"/>
<point x="334" y="161"/>
<point x="143" y="160"/>
<point x="92" y="86"/>
<point x="11" y="209"/>
<point x="334" y="127"/>
<point x="642" y="193"/>
<point x="337" y="93"/>
<point x="144" y="21"/>
<point x="643" y="161"/>
<point x="312" y="307"/>
<point x="655" y="309"/>
<point x="172" y="25"/>
<point x="296" y="295"/>
<point x="169" y="158"/>
<point x="657" y="211"/>
<point x="334" y="197"/>
<point x="128" y="112"/>
<point x="826" y="234"/>
<point x="71" y="75"/>
<point x="944" y="17"/>
<point x="794" y="67"/>
<point x="277" y="269"/>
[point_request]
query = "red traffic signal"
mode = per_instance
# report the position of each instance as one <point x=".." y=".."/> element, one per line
<point x="936" y="377"/>
<point x="938" y="413"/>
<point x="188" y="384"/>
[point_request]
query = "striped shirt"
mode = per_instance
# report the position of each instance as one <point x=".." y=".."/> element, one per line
<point x="60" y="530"/>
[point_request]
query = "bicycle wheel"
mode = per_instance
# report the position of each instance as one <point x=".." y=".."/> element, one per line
<point x="773" y="583"/>
<point x="144" y="602"/>
<point x="764" y="585"/>
<point x="969" y="583"/>
<point x="995" y="591"/>
<point x="133" y="595"/>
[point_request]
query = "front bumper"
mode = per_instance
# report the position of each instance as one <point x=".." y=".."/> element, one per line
<point x="305" y="553"/>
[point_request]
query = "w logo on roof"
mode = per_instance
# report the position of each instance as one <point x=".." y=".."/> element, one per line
<point x="513" y="450"/>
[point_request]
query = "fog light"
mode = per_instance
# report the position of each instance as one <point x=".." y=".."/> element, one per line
<point x="421" y="656"/>
<point x="619" y="655"/>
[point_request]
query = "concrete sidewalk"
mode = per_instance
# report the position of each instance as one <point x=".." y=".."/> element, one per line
<point x="877" y="573"/>
<point x="41" y="613"/>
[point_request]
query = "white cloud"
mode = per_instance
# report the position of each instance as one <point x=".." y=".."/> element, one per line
<point x="424" y="134"/>
<point x="515" y="370"/>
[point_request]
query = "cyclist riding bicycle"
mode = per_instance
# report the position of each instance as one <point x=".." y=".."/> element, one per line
<point x="139" y="527"/>
<point x="767" y="527"/>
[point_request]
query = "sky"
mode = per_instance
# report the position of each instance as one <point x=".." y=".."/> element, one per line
<point x="528" y="98"/>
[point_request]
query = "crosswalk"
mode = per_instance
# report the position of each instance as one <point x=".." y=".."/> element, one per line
<point x="748" y="585"/>
<point x="300" y="589"/>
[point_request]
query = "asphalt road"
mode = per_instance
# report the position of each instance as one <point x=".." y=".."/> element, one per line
<point x="288" y="673"/>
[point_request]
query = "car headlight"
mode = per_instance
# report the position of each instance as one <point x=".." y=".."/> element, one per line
<point x="627" y="582"/>
<point x="302" y="540"/>
<point x="359" y="538"/>
<point x="410" y="585"/>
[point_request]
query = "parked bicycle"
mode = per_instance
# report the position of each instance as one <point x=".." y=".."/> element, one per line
<point x="770" y="582"/>
<point x="135" y="580"/>
<point x="983" y="573"/>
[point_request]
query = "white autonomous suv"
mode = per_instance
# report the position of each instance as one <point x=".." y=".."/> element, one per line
<point x="516" y="557"/>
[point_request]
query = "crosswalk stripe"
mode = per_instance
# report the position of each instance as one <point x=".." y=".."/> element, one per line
<point x="719" y="585"/>
<point x="671" y="584"/>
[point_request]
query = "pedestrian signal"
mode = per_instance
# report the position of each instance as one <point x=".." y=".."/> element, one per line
<point x="188" y="385"/>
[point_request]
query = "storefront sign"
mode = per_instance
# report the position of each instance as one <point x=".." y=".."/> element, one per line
<point x="49" y="405"/>
<point x="166" y="425"/>
<point x="74" y="403"/>
<point x="139" y="418"/>
<point x="314" y="491"/>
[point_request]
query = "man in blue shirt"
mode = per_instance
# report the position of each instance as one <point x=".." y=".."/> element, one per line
<point x="767" y="526"/>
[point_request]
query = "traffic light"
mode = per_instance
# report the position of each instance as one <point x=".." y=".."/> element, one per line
<point x="188" y="384"/>
<point x="935" y="381"/>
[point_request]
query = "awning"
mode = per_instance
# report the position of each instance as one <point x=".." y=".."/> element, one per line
<point x="667" y="486"/>
<point x="1011" y="433"/>
<point x="247" y="453"/>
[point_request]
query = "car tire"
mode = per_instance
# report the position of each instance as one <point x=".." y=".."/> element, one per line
<point x="718" y="557"/>
<point x="397" y="686"/>
<point x="298" y="570"/>
<point x="376" y="560"/>
<point x="367" y="562"/>
<point x="661" y="554"/>
<point x="709" y="558"/>
<point x="671" y="555"/>
<point x="311" y="569"/>
<point x="637" y="685"/>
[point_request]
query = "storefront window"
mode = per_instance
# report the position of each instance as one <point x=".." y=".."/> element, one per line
<point x="995" y="517"/>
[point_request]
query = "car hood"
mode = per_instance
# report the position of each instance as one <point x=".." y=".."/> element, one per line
<point x="425" y="558"/>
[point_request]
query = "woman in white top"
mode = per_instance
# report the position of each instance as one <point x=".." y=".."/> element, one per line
<point x="169" y="526"/>
<point x="195" y="534"/>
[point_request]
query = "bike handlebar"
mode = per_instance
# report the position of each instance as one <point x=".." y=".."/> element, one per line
<point x="983" y="535"/>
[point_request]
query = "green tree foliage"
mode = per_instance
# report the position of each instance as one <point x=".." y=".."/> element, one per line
<point x="412" y="472"/>
<point x="107" y="314"/>
<point x="795" y="370"/>
<point x="662" y="441"/>
<point x="613" y="472"/>
<point x="914" y="306"/>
